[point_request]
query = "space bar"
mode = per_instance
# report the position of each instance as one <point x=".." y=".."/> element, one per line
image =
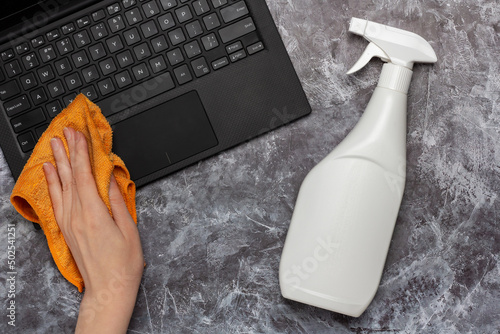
<point x="136" y="94"/>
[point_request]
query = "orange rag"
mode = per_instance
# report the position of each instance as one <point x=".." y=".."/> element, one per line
<point x="31" y="196"/>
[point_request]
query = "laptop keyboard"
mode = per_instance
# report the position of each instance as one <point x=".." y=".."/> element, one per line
<point x="119" y="56"/>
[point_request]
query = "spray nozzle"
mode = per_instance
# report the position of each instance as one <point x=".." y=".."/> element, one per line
<point x="399" y="47"/>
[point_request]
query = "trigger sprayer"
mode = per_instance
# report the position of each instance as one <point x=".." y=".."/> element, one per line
<point x="348" y="204"/>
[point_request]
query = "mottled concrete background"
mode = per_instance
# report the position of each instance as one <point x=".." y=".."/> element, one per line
<point x="213" y="233"/>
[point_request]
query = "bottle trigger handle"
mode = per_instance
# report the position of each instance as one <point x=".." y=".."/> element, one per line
<point x="371" y="51"/>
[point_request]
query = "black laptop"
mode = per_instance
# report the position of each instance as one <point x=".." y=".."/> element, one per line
<point x="178" y="80"/>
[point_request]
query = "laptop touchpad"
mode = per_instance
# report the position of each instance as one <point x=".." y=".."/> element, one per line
<point x="163" y="135"/>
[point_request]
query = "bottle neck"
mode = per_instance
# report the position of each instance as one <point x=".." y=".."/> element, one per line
<point x="395" y="77"/>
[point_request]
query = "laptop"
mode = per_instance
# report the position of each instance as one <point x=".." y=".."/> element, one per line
<point x="178" y="80"/>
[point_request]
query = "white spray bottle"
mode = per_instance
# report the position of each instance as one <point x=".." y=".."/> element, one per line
<point x="347" y="206"/>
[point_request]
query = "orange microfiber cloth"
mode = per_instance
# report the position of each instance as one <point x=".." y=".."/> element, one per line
<point x="31" y="196"/>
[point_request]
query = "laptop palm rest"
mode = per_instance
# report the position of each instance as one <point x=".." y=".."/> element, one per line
<point x="163" y="135"/>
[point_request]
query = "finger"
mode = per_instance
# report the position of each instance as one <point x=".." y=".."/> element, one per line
<point x="55" y="191"/>
<point x="119" y="208"/>
<point x="62" y="163"/>
<point x="82" y="171"/>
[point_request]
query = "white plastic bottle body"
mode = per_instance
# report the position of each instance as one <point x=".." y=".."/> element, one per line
<point x="345" y="214"/>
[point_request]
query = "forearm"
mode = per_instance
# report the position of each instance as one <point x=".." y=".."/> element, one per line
<point x="106" y="311"/>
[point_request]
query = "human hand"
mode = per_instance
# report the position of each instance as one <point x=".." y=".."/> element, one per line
<point x="107" y="249"/>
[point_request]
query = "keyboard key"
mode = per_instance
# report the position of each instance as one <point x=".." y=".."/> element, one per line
<point x="2" y="77"/>
<point x="132" y="36"/>
<point x="133" y="16"/>
<point x="114" y="44"/>
<point x="97" y="51"/>
<point x="90" y="74"/>
<point x="30" y="61"/>
<point x="166" y="21"/>
<point x="22" y="48"/>
<point x="167" y="4"/>
<point x="106" y="87"/>
<point x="83" y="22"/>
<point x="28" y="81"/>
<point x="194" y="29"/>
<point x="183" y="14"/>
<point x="176" y="36"/>
<point x="37" y="41"/>
<point x="236" y="30"/>
<point x="254" y="48"/>
<point x="89" y="92"/>
<point x="38" y="96"/>
<point x="8" y="90"/>
<point x="136" y="94"/>
<point x="200" y="67"/>
<point x="55" y="88"/>
<point x="62" y="66"/>
<point x="45" y="73"/>
<point x="68" y="99"/>
<point x="27" y="120"/>
<point x="150" y="9"/>
<point x="107" y="66"/>
<point x="140" y="71"/>
<point x="53" y="108"/>
<point x="17" y="105"/>
<point x="99" y="31"/>
<point x="234" y="47"/>
<point x="209" y="42"/>
<point x="149" y="29"/>
<point x="220" y="63"/>
<point x="12" y="69"/>
<point x="99" y="15"/>
<point x="40" y="130"/>
<point x="123" y="79"/>
<point x="182" y="74"/>
<point x="68" y="28"/>
<point x="26" y="141"/>
<point x="113" y="9"/>
<point x="7" y="54"/>
<point x="237" y="56"/>
<point x="142" y="51"/>
<point x="201" y="7"/>
<point x="128" y="3"/>
<point x="81" y="38"/>
<point x="234" y="11"/>
<point x="80" y="59"/>
<point x="211" y="21"/>
<point x="175" y="57"/>
<point x="73" y="81"/>
<point x="116" y="24"/>
<point x="192" y="49"/>
<point x="53" y="35"/>
<point x="158" y="64"/>
<point x="47" y="53"/>
<point x="125" y="59"/>
<point x="218" y="3"/>
<point x="159" y="44"/>
<point x="64" y="46"/>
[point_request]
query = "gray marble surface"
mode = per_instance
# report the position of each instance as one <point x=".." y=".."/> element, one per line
<point x="213" y="233"/>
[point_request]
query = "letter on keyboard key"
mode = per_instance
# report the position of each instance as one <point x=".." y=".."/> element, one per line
<point x="237" y="30"/>
<point x="136" y="94"/>
<point x="8" y="89"/>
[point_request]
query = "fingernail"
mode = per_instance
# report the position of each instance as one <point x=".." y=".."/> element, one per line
<point x="54" y="143"/>
<point x="67" y="133"/>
